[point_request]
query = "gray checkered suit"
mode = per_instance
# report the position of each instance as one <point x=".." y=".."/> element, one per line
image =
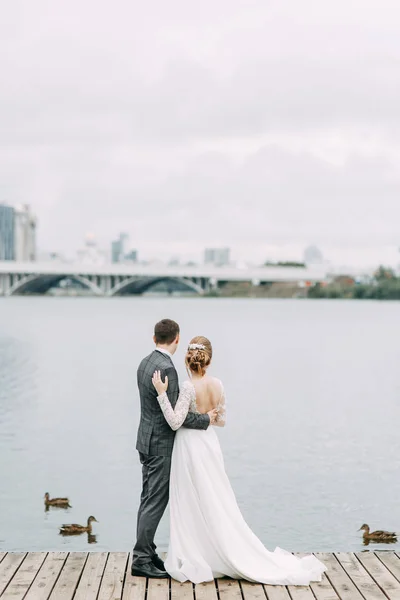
<point x="155" y="441"/>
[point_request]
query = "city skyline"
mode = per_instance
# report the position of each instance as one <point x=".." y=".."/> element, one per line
<point x="255" y="255"/>
<point x="91" y="249"/>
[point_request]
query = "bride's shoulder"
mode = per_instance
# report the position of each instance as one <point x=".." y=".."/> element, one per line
<point x="217" y="381"/>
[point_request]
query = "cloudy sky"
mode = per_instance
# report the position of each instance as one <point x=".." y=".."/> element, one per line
<point x="264" y="125"/>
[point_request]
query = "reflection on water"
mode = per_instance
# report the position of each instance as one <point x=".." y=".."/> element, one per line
<point x="311" y="443"/>
<point x="367" y="542"/>
<point x="90" y="537"/>
<point x="47" y="508"/>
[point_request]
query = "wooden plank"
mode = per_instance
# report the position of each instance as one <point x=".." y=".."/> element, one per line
<point x="251" y="591"/>
<point x="379" y="572"/>
<point x="341" y="582"/>
<point x="323" y="589"/>
<point x="229" y="589"/>
<point x="134" y="587"/>
<point x="158" y="589"/>
<point x="8" y="567"/>
<point x="113" y="576"/>
<point x="181" y="591"/>
<point x="391" y="562"/>
<point x="23" y="578"/>
<point x="300" y="592"/>
<point x="206" y="591"/>
<point x="89" y="584"/>
<point x="359" y="576"/>
<point x="47" y="576"/>
<point x="78" y="576"/>
<point x="69" y="577"/>
<point x="276" y="592"/>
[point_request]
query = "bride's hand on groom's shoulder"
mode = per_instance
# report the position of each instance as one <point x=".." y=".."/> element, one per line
<point x="160" y="385"/>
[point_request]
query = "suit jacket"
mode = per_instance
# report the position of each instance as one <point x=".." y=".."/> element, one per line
<point x="155" y="437"/>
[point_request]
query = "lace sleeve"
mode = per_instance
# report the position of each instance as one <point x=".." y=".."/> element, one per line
<point x="175" y="417"/>
<point x="221" y="417"/>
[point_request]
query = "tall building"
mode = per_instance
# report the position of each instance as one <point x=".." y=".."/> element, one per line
<point x="118" y="248"/>
<point x="17" y="233"/>
<point x="119" y="251"/>
<point x="218" y="257"/>
<point x="132" y="256"/>
<point x="7" y="232"/>
<point x="313" y="256"/>
<point x="25" y="234"/>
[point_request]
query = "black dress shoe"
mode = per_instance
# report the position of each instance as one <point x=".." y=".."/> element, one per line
<point x="148" y="570"/>
<point x="157" y="562"/>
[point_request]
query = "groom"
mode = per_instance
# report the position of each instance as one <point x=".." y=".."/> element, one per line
<point x="155" y="441"/>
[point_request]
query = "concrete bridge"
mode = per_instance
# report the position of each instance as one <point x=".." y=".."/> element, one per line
<point x="120" y="279"/>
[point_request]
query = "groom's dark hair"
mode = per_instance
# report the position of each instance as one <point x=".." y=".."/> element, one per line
<point x="166" y="331"/>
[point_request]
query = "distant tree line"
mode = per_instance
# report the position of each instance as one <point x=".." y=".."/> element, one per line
<point x="284" y="264"/>
<point x="384" y="285"/>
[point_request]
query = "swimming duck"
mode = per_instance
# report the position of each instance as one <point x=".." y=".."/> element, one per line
<point x="75" y="529"/>
<point x="61" y="502"/>
<point x="78" y="529"/>
<point x="378" y="536"/>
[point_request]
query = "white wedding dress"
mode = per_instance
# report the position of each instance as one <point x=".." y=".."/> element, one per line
<point x="209" y="537"/>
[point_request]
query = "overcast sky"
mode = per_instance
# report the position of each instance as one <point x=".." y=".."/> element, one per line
<point x="263" y="125"/>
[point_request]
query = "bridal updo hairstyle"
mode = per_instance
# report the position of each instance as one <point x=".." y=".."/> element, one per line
<point x="198" y="359"/>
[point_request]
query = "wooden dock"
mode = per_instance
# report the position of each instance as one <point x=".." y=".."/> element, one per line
<point x="106" y="576"/>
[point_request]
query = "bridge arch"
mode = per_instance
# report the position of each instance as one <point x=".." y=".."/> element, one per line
<point x="139" y="285"/>
<point x="40" y="284"/>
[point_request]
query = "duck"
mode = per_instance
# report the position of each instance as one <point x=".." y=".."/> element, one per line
<point x="75" y="529"/>
<point x="60" y="502"/>
<point x="378" y="536"/>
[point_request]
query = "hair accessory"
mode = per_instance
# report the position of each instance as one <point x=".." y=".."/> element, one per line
<point x="196" y="347"/>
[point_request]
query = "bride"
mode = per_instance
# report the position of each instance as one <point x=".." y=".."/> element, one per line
<point x="209" y="536"/>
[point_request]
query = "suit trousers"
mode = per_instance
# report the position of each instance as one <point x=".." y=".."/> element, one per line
<point x="153" y="502"/>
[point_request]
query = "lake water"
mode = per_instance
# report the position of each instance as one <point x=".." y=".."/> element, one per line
<point x="312" y="442"/>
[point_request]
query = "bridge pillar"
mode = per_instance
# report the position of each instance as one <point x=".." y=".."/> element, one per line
<point x="5" y="283"/>
<point x="105" y="283"/>
<point x="2" y="284"/>
<point x="96" y="280"/>
<point x="209" y="285"/>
